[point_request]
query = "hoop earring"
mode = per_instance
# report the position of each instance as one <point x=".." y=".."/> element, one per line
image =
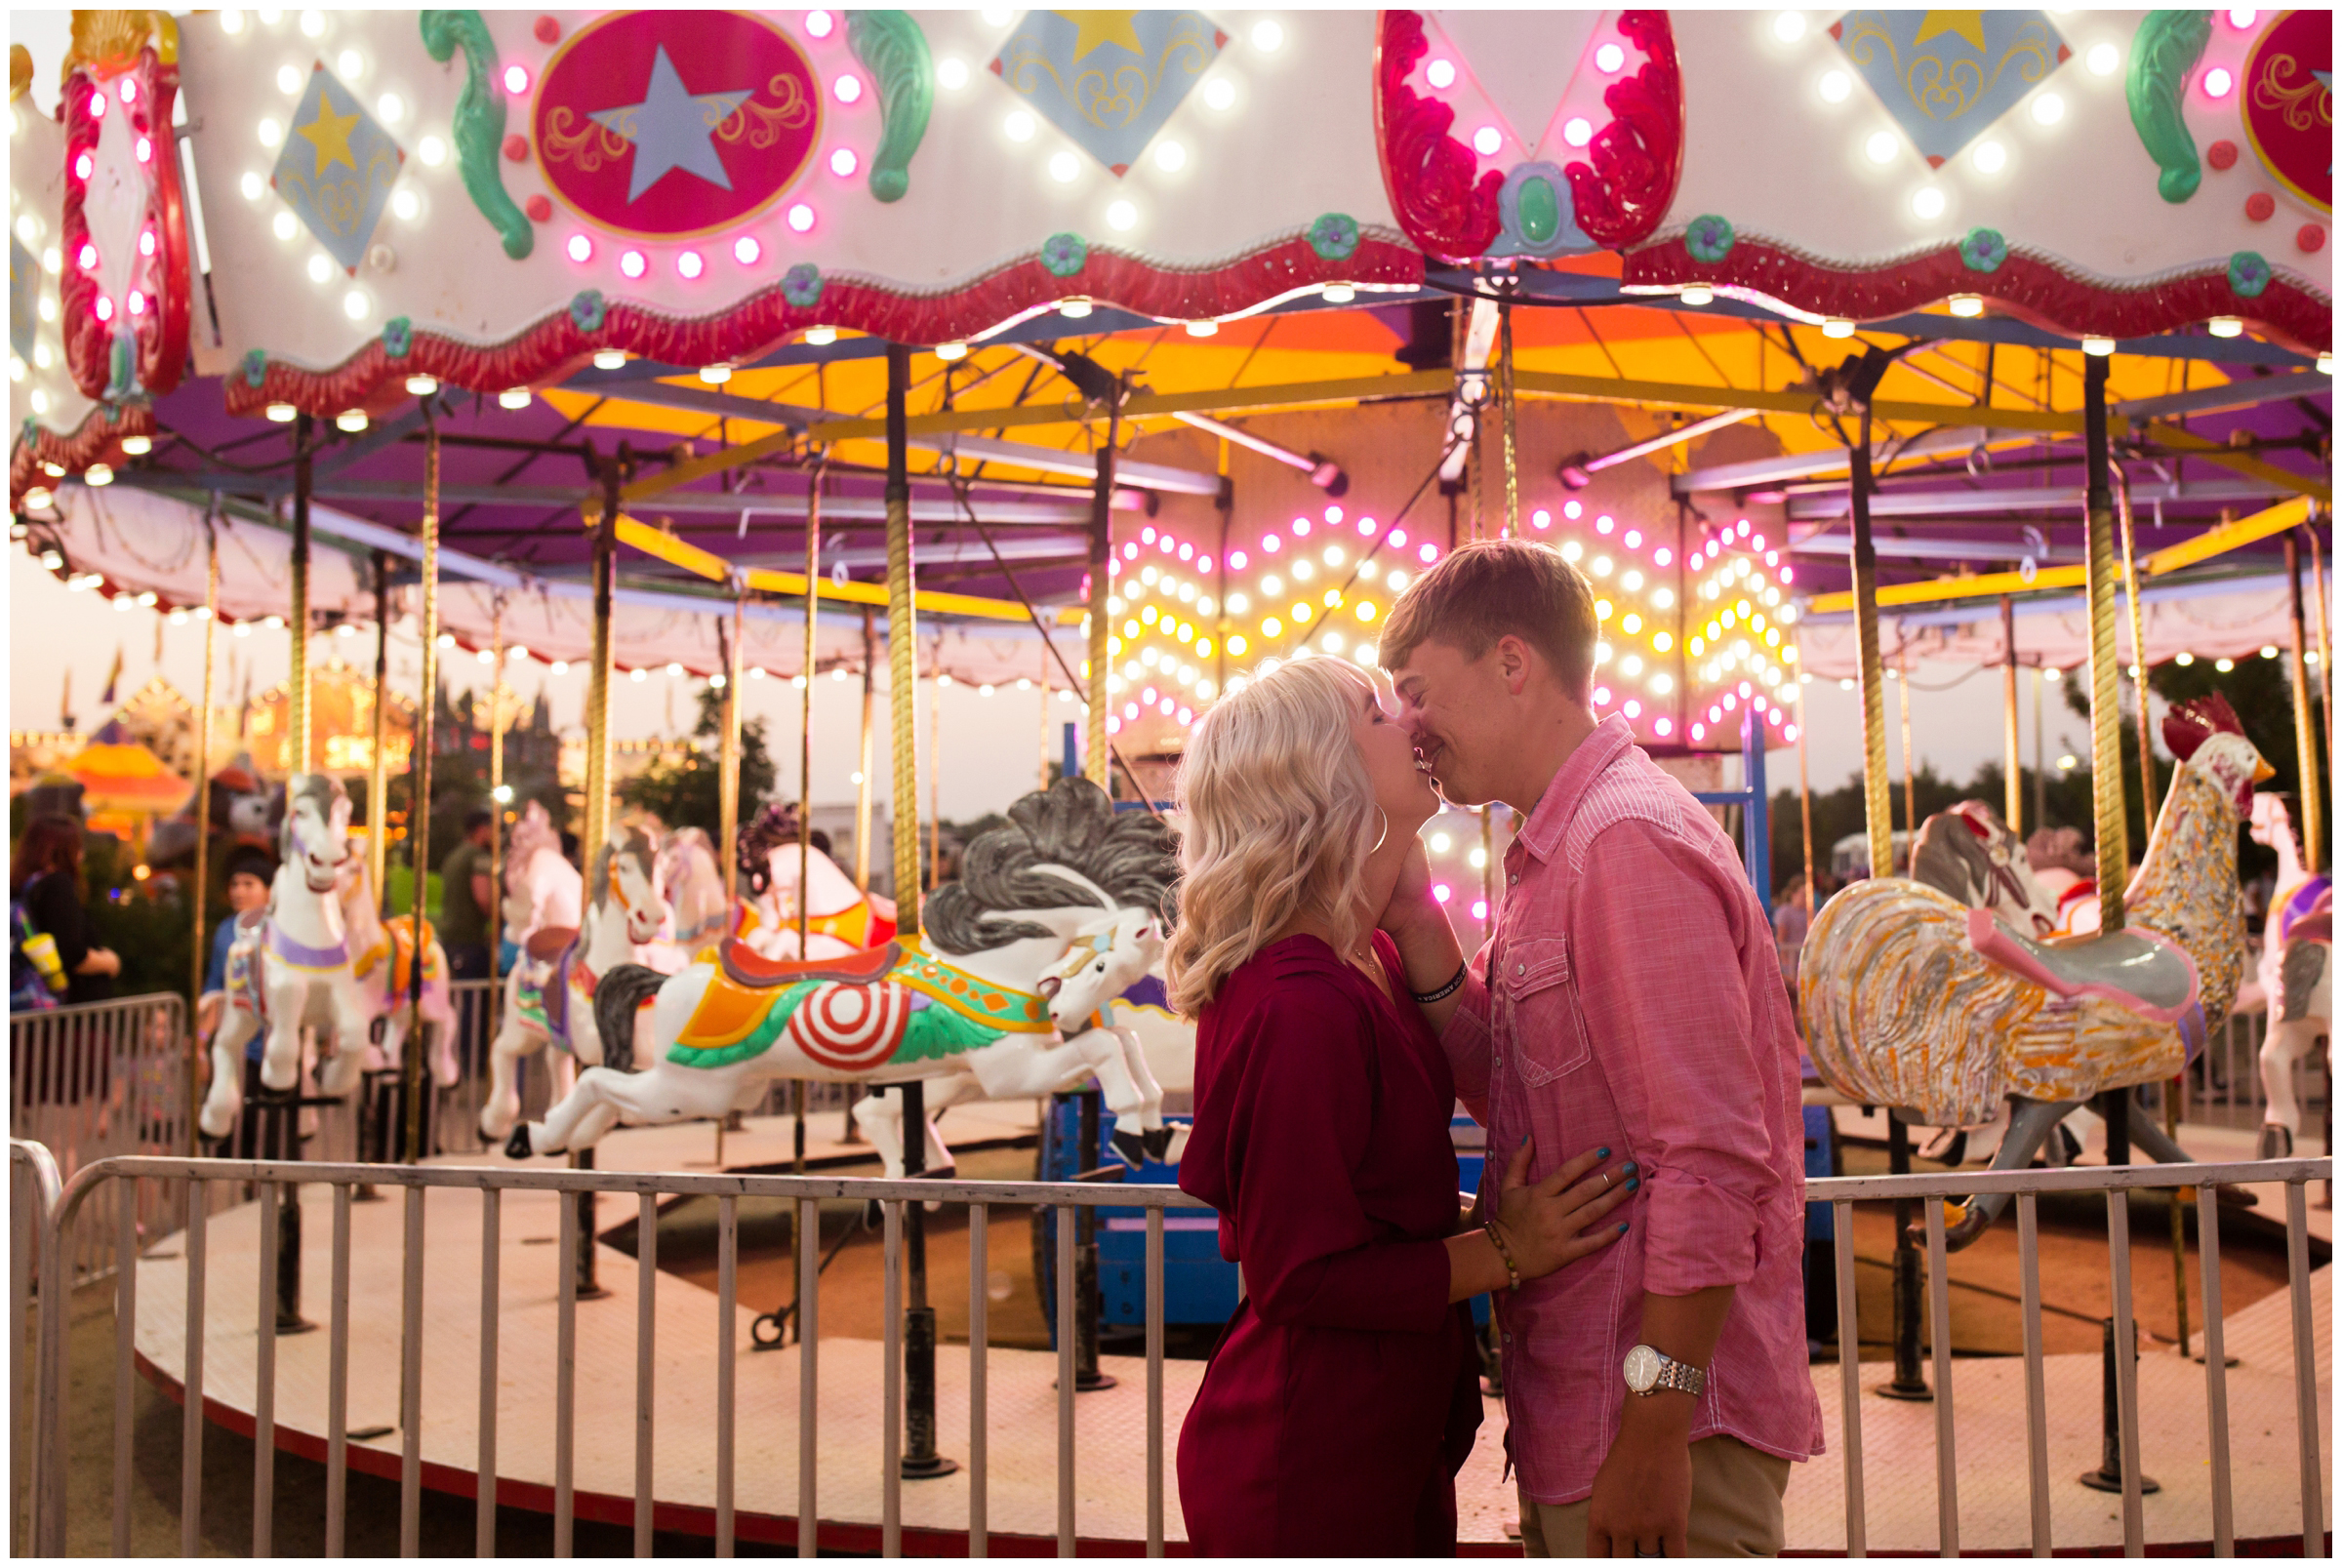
<point x="1385" y="832"/>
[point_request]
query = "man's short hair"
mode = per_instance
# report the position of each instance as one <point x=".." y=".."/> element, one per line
<point x="1495" y="588"/>
<point x="474" y="821"/>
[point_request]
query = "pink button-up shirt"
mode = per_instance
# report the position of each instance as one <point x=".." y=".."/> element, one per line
<point x="1631" y="998"/>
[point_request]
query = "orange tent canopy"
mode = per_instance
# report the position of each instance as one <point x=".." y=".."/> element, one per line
<point x="126" y="778"/>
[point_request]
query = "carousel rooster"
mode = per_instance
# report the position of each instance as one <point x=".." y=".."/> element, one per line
<point x="1915" y="1000"/>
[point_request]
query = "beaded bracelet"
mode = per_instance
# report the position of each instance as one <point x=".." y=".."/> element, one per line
<point x="1496" y="1238"/>
<point x="1454" y="984"/>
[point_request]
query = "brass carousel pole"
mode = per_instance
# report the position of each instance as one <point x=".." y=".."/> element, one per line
<point x="495" y="809"/>
<point x="203" y="801"/>
<point x="902" y="648"/>
<point x="869" y="754"/>
<point x="418" y="799"/>
<point x="1805" y="791"/>
<point x="1504" y="316"/>
<point x="918" y="1459"/>
<point x="1909" y="1382"/>
<point x="2106" y="712"/>
<point x="813" y="602"/>
<point x="297" y="684"/>
<point x="2305" y="734"/>
<point x="934" y="765"/>
<point x="1910" y="782"/>
<point x="378" y="769"/>
<point x="727" y="775"/>
<point x="2012" y="787"/>
<point x="2325" y="669"/>
<point x="2177" y="1083"/>
<point x="613" y="475"/>
<point x="2138" y="681"/>
<point x="1101" y="556"/>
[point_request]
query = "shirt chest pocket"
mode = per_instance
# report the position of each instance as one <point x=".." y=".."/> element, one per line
<point x="1539" y="1013"/>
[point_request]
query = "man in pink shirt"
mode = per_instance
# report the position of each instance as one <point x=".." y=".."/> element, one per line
<point x="1630" y="997"/>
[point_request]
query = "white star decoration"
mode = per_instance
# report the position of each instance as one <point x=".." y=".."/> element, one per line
<point x="672" y="128"/>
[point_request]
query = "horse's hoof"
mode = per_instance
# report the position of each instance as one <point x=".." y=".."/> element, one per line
<point x="2275" y="1142"/>
<point x="1132" y="1146"/>
<point x="518" y="1146"/>
<point x="1157" y="1141"/>
<point x="2229" y="1196"/>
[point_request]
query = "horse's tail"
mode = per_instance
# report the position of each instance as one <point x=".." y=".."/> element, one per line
<point x="616" y="997"/>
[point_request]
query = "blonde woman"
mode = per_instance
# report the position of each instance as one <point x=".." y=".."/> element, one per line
<point x="1344" y="1394"/>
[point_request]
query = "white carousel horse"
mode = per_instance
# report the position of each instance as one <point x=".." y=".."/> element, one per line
<point x="549" y="997"/>
<point x="1005" y="998"/>
<point x="1941" y="1012"/>
<point x="2296" y="973"/>
<point x="840" y="918"/>
<point x="382" y="960"/>
<point x="542" y="889"/>
<point x="694" y="885"/>
<point x="290" y="966"/>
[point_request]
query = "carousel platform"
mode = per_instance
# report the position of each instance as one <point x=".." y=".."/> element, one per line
<point x="1898" y="1440"/>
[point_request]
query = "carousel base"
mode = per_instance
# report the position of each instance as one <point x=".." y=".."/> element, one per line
<point x="1898" y="1440"/>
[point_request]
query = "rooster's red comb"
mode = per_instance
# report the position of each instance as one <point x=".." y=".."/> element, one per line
<point x="2191" y="723"/>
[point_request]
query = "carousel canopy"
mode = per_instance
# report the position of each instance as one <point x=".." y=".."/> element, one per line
<point x="1280" y="258"/>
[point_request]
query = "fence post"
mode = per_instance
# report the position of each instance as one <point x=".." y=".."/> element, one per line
<point x="1087" y="1379"/>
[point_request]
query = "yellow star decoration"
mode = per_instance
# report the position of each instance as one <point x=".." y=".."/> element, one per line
<point x="329" y="132"/>
<point x="1968" y="24"/>
<point x="1102" y="27"/>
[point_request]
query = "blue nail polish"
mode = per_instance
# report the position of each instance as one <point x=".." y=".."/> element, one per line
<point x="1602" y="1154"/>
<point x="1634" y="1184"/>
<point x="1627" y="1169"/>
<point x="1622" y="1227"/>
<point x="1524" y="1140"/>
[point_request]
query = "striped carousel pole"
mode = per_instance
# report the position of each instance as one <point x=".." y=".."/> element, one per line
<point x="2106" y="707"/>
<point x="918" y="1459"/>
<point x="1102" y="558"/>
<point x="1909" y="1382"/>
<point x="203" y="805"/>
<point x="418" y="799"/>
<point x="377" y="768"/>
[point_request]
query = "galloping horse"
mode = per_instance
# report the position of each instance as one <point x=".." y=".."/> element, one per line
<point x="549" y="998"/>
<point x="2296" y="967"/>
<point x="542" y="889"/>
<point x="840" y="918"/>
<point x="1059" y="913"/>
<point x="383" y="961"/>
<point x="288" y="967"/>
<point x="694" y="886"/>
<point x="1941" y="1012"/>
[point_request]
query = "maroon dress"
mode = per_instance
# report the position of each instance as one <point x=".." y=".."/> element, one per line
<point x="1343" y="1396"/>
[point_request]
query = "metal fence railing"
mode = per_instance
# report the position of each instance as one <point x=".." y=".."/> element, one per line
<point x="61" y="1225"/>
<point x="98" y="1080"/>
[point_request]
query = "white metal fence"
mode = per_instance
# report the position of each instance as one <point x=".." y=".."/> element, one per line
<point x="61" y="1225"/>
<point x="98" y="1080"/>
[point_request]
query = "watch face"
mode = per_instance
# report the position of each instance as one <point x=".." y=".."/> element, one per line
<point x="1642" y="1368"/>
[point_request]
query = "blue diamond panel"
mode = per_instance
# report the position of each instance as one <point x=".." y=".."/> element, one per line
<point x="1946" y="77"/>
<point x="1108" y="79"/>
<point x="336" y="169"/>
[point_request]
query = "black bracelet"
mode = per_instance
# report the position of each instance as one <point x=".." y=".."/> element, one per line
<point x="1455" y="984"/>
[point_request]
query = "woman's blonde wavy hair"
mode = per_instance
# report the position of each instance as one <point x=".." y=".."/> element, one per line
<point x="1279" y="819"/>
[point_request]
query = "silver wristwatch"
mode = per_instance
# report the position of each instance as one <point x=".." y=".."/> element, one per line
<point x="1648" y="1370"/>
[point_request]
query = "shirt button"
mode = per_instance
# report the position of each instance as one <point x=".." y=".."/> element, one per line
<point x="1520" y="969"/>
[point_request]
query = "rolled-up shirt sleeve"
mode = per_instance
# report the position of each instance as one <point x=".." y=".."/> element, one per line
<point x="1299" y="1127"/>
<point x="1467" y="1040"/>
<point x="1679" y="1051"/>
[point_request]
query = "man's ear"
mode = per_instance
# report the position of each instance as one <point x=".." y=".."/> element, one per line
<point x="1514" y="663"/>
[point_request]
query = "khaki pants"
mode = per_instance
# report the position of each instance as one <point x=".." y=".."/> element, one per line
<point x="1735" y="1507"/>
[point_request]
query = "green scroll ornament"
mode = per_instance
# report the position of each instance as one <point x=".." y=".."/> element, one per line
<point x="2163" y="52"/>
<point x="480" y="124"/>
<point x="893" y="51"/>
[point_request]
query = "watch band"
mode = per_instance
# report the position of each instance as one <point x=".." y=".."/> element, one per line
<point x="1679" y="1377"/>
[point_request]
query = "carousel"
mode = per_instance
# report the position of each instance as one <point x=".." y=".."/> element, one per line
<point x="1065" y="371"/>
